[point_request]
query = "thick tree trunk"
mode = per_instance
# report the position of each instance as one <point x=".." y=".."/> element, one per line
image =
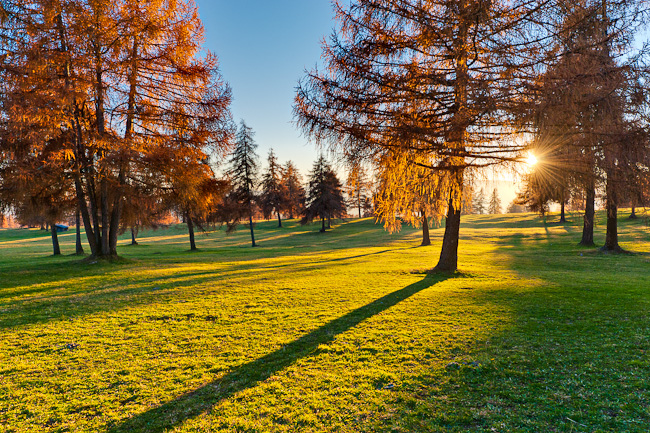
<point x="55" y="240"/>
<point x="250" y="223"/>
<point x="190" y="229"/>
<point x="449" y="255"/>
<point x="279" y="220"/>
<point x="590" y="212"/>
<point x="562" y="214"/>
<point x="322" y="229"/>
<point x="426" y="240"/>
<point x="79" y="246"/>
<point x="611" y="238"/>
<point x="133" y="241"/>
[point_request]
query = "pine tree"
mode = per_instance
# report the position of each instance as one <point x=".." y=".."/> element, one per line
<point x="295" y="192"/>
<point x="274" y="195"/>
<point x="243" y="174"/>
<point x="494" y="207"/>
<point x="478" y="202"/>
<point x="324" y="196"/>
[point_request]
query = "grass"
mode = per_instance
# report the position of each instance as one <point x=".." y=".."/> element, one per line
<point x="343" y="331"/>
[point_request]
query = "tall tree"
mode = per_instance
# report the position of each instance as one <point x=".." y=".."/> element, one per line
<point x="243" y="174"/>
<point x="494" y="207"/>
<point x="273" y="196"/>
<point x="115" y="80"/>
<point x="478" y="202"/>
<point x="436" y="79"/>
<point x="295" y="192"/>
<point x="324" y="195"/>
<point x="358" y="187"/>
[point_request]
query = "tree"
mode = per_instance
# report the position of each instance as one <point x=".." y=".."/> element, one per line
<point x="478" y="202"/>
<point x="408" y="192"/>
<point x="243" y="177"/>
<point x="295" y="192"/>
<point x="274" y="194"/>
<point x="115" y="81"/>
<point x="439" y="80"/>
<point x="324" y="195"/>
<point x="357" y="187"/>
<point x="494" y="208"/>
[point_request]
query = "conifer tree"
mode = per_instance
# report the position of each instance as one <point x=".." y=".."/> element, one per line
<point x="434" y="79"/>
<point x="358" y="187"/>
<point x="478" y="202"/>
<point x="243" y="174"/>
<point x="295" y="192"/>
<point x="324" y="195"/>
<point x="494" y="207"/>
<point x="273" y="196"/>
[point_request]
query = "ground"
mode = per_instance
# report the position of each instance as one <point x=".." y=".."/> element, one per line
<point x="341" y="332"/>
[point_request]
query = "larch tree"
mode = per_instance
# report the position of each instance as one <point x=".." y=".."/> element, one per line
<point x="478" y="202"/>
<point x="294" y="190"/>
<point x="115" y="80"/>
<point x="439" y="80"/>
<point x="357" y="187"/>
<point x="273" y="195"/>
<point x="243" y="174"/>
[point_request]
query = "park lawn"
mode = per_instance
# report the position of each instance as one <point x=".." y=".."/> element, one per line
<point x="344" y="331"/>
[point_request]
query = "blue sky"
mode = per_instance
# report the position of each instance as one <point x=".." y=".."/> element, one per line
<point x="264" y="47"/>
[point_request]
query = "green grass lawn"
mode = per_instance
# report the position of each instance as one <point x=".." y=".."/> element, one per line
<point x="340" y="332"/>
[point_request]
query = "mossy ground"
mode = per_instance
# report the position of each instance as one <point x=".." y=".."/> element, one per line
<point x="340" y="332"/>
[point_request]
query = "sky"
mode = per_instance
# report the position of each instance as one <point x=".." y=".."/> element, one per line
<point x="264" y="47"/>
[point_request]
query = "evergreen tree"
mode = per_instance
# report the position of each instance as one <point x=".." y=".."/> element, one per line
<point x="324" y="196"/>
<point x="478" y="202"/>
<point x="273" y="197"/>
<point x="495" y="203"/>
<point x="243" y="176"/>
<point x="294" y="191"/>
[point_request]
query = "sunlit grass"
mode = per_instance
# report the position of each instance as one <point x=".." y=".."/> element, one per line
<point x="342" y="331"/>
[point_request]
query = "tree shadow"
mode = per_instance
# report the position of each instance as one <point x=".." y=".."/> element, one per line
<point x="193" y="404"/>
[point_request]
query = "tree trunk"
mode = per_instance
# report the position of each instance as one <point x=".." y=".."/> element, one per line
<point x="611" y="238"/>
<point x="449" y="255"/>
<point x="562" y="214"/>
<point x="133" y="241"/>
<point x="322" y="230"/>
<point x="250" y="223"/>
<point x="633" y="214"/>
<point x="190" y="228"/>
<point x="426" y="240"/>
<point x="329" y="221"/>
<point x="279" y="221"/>
<point x="590" y="211"/>
<point x="79" y="246"/>
<point x="55" y="240"/>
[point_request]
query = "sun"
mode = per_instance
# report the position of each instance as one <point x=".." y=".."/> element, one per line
<point x="531" y="160"/>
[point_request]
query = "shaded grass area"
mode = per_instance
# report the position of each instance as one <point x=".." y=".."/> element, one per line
<point x="337" y="332"/>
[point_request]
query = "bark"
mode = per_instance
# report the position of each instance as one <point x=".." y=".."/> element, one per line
<point x="611" y="238"/>
<point x="133" y="241"/>
<point x="449" y="255"/>
<point x="83" y="207"/>
<point x="633" y="214"/>
<point x="562" y="213"/>
<point x="190" y="228"/>
<point x="322" y="230"/>
<point x="55" y="240"/>
<point x="426" y="240"/>
<point x="590" y="211"/>
<point x="279" y="220"/>
<point x="250" y="223"/>
<point x="79" y="246"/>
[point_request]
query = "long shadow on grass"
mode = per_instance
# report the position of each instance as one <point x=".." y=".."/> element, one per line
<point x="190" y="405"/>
